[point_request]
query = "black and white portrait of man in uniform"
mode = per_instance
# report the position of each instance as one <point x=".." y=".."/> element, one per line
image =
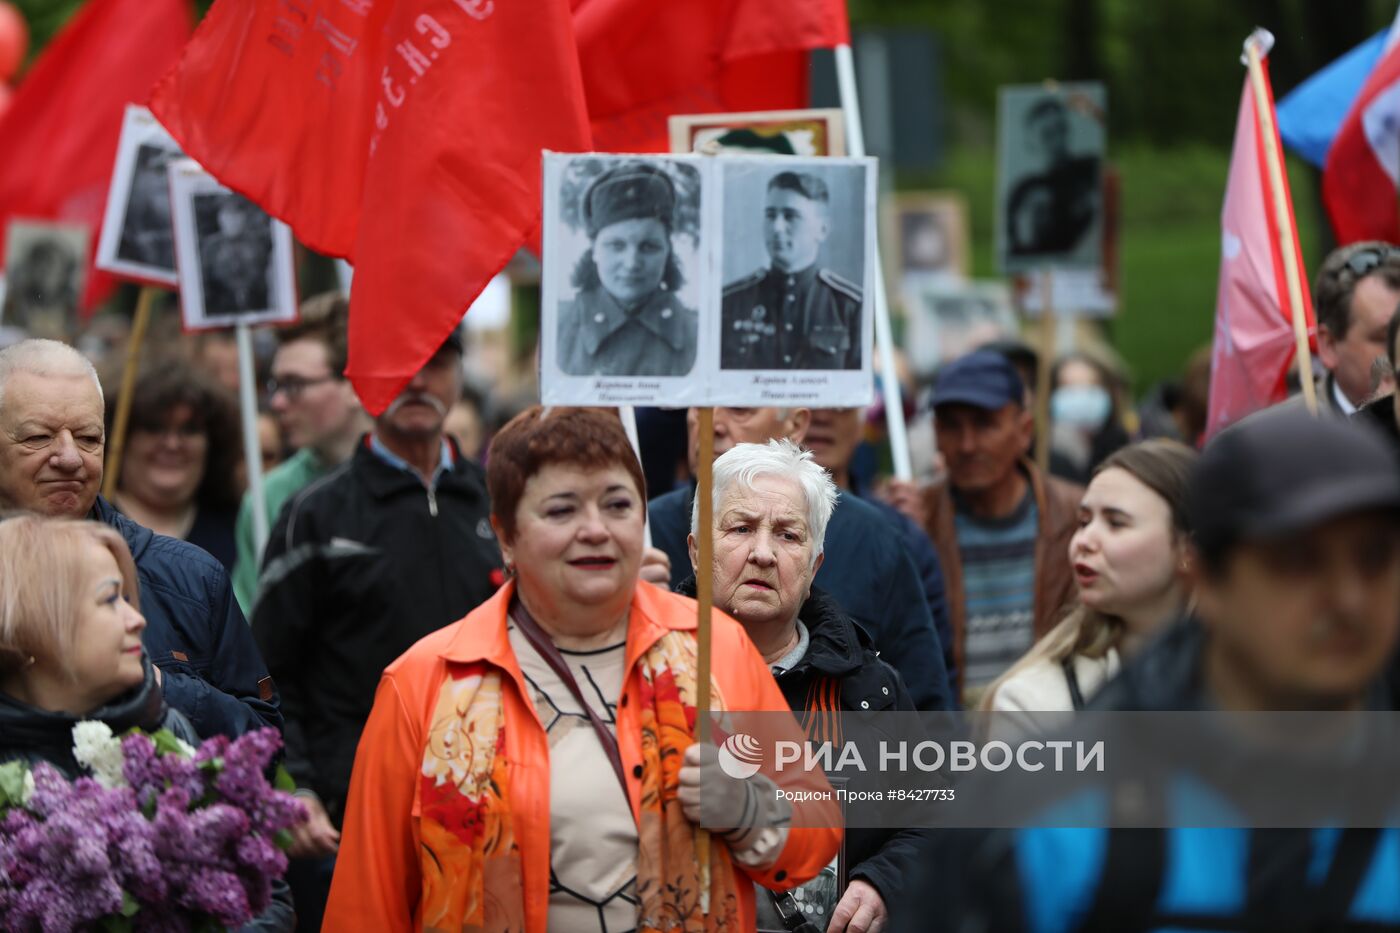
<point x="626" y="318"/>
<point x="796" y="313"/>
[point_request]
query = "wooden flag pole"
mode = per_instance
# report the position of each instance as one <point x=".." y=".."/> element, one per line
<point x="116" y="444"/>
<point x="704" y="597"/>
<point x="1042" y="375"/>
<point x="1283" y="218"/>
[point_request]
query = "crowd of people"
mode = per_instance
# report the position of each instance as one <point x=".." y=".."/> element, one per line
<point x="474" y="626"/>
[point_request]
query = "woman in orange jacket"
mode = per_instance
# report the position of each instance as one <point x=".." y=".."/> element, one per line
<point x="534" y="765"/>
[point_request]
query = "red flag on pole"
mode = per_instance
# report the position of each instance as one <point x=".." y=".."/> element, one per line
<point x="644" y="61"/>
<point x="1362" y="173"/>
<point x="59" y="135"/>
<point x="1254" y="338"/>
<point x="404" y="136"/>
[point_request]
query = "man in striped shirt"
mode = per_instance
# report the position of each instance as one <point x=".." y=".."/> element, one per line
<point x="1001" y="527"/>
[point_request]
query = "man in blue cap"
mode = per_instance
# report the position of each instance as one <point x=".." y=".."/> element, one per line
<point x="1001" y="527"/>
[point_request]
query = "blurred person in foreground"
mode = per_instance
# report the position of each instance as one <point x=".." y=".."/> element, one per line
<point x="1001" y="527"/>
<point x="492" y="791"/>
<point x="1296" y="525"/>
<point x="772" y="505"/>
<point x="178" y="467"/>
<point x="1130" y="566"/>
<point x="833" y="437"/>
<point x="318" y="411"/>
<point x="70" y="651"/>
<point x="51" y="445"/>
<point x="867" y="569"/>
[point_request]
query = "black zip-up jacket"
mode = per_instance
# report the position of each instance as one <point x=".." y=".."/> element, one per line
<point x="839" y="652"/>
<point x="362" y="564"/>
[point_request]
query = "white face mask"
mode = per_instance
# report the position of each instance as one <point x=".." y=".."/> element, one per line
<point x="1084" y="407"/>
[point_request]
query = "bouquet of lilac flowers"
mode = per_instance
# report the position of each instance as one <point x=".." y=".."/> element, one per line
<point x="161" y="837"/>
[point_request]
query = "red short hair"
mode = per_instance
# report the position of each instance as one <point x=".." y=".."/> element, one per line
<point x="591" y="438"/>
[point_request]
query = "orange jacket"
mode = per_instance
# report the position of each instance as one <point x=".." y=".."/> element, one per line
<point x="377" y="882"/>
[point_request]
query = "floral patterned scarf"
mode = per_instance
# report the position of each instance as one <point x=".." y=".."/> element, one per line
<point x="470" y="858"/>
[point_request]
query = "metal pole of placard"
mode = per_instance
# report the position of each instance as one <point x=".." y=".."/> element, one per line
<point x="884" y="333"/>
<point x="252" y="450"/>
<point x="116" y="443"/>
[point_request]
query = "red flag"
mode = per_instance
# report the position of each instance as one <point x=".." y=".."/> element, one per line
<point x="404" y="136"/>
<point x="644" y="60"/>
<point x="60" y="133"/>
<point x="1254" y="341"/>
<point x="1362" y="173"/>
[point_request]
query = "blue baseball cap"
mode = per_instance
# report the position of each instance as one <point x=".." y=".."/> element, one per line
<point x="982" y="379"/>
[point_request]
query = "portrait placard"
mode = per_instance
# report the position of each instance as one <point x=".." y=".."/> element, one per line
<point x="1051" y="144"/>
<point x="138" y="237"/>
<point x="235" y="261"/>
<point x="682" y="280"/>
<point x="814" y="132"/>
<point x="948" y="319"/>
<point x="45" y="267"/>
<point x="927" y="233"/>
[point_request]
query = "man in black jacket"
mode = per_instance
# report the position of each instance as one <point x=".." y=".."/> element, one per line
<point x="391" y="546"/>
<point x="51" y="446"/>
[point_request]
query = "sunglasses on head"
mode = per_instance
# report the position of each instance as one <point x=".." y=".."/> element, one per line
<point x="1364" y="261"/>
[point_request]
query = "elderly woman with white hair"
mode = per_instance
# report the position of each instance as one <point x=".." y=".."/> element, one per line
<point x="772" y="505"/>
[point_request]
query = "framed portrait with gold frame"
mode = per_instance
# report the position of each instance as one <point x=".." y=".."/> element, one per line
<point x="927" y="236"/>
<point x="815" y="132"/>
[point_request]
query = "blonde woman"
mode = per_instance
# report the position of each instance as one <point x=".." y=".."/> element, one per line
<point x="1128" y="557"/>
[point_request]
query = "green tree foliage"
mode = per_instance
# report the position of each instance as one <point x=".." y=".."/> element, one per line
<point x="1174" y="81"/>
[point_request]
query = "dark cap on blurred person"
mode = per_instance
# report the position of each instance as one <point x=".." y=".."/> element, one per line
<point x="982" y="379"/>
<point x="629" y="192"/>
<point x="1281" y="472"/>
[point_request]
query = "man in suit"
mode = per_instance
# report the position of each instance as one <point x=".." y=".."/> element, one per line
<point x="794" y="314"/>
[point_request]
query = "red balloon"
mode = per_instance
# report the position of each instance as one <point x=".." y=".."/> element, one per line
<point x="14" y="40"/>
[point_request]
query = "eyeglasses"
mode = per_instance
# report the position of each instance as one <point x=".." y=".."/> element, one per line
<point x="294" y="385"/>
<point x="1364" y="261"/>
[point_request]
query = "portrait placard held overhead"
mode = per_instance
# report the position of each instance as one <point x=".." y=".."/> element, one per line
<point x="629" y="314"/>
<point x="635" y="309"/>
<point x="138" y="236"/>
<point x="801" y="305"/>
<point x="1049" y="189"/>
<point x="235" y="261"/>
<point x="44" y="274"/>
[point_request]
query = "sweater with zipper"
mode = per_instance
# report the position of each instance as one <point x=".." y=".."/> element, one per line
<point x="362" y="564"/>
